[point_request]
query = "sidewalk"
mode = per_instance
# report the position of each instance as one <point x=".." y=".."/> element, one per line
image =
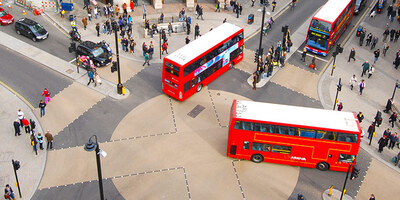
<point x="19" y="148"/>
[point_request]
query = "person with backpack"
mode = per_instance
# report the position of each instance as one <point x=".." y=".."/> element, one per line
<point x="393" y="118"/>
<point x="164" y="47"/>
<point x="393" y="139"/>
<point x="371" y="132"/>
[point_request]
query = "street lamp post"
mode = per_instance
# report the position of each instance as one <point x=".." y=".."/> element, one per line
<point x="260" y="50"/>
<point x="395" y="86"/>
<point x="90" y="146"/>
<point x="119" y="85"/>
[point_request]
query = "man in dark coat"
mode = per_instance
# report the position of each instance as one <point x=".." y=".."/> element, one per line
<point x="388" y="105"/>
<point x="16" y="127"/>
<point x="352" y="55"/>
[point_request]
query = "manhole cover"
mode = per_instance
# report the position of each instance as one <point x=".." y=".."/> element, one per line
<point x="69" y="71"/>
<point x="196" y="111"/>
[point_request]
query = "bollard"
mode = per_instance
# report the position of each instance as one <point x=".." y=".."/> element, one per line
<point x="330" y="190"/>
<point x="123" y="90"/>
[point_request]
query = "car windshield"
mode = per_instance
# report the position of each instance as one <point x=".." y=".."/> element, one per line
<point x="36" y="28"/>
<point x="3" y="13"/>
<point x="97" y="52"/>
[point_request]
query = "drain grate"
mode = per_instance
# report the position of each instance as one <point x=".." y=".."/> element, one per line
<point x="196" y="111"/>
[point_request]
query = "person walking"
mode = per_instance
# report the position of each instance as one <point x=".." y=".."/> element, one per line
<point x="217" y="7"/>
<point x="383" y="142"/>
<point x="187" y="40"/>
<point x="362" y="36"/>
<point x="396" y="36"/>
<point x="376" y="55"/>
<point x="34" y="142"/>
<point x="132" y="45"/>
<point x="40" y="140"/>
<point x="98" y="29"/>
<point x="385" y="48"/>
<point x="25" y="122"/>
<point x="200" y="13"/>
<point x="360" y="116"/>
<point x="304" y="54"/>
<point x="46" y="95"/>
<point x="91" y="77"/>
<point x="385" y="34"/>
<point x="392" y="140"/>
<point x="282" y="59"/>
<point x="164" y="47"/>
<point x="371" y="132"/>
<point x="49" y="139"/>
<point x="374" y="42"/>
<point x="362" y="86"/>
<point x="237" y="10"/>
<point x="393" y="118"/>
<point x="371" y="71"/>
<point x="97" y="79"/>
<point x="42" y="106"/>
<point x="365" y="68"/>
<point x="9" y="193"/>
<point x="84" y="22"/>
<point x="340" y="106"/>
<point x="353" y="80"/>
<point x="369" y="39"/>
<point x="254" y="81"/>
<point x="20" y="115"/>
<point x="33" y="124"/>
<point x="273" y="5"/>
<point x="388" y="105"/>
<point x="252" y="3"/>
<point x="196" y="31"/>
<point x="397" y="159"/>
<point x="146" y="59"/>
<point x="313" y="62"/>
<point x="352" y="54"/>
<point x="17" y="127"/>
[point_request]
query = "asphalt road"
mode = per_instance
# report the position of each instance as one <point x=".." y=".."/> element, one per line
<point x="28" y="77"/>
<point x="56" y="44"/>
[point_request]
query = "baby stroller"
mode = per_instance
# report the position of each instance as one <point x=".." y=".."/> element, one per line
<point x="86" y="63"/>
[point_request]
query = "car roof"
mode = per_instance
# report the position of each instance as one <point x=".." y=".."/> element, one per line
<point x="27" y="21"/>
<point x="89" y="44"/>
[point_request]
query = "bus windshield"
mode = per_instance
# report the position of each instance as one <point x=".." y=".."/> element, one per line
<point x="317" y="40"/>
<point x="170" y="68"/>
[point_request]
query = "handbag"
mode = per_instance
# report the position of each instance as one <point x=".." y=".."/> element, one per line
<point x="6" y="196"/>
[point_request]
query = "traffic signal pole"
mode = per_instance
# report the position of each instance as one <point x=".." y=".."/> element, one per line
<point x="16" y="166"/>
<point x="338" y="89"/>
<point x="260" y="52"/>
<point x="119" y="85"/>
<point x="345" y="181"/>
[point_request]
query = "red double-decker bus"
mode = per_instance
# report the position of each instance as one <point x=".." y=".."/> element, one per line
<point x="195" y="65"/>
<point x="328" y="24"/>
<point x="291" y="135"/>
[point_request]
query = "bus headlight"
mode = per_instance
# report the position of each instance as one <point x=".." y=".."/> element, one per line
<point x="180" y="95"/>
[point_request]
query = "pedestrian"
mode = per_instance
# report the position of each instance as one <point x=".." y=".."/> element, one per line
<point x="25" y="122"/>
<point x="146" y="59"/>
<point x="240" y="9"/>
<point x="144" y="48"/>
<point x="304" y="54"/>
<point x="98" y="29"/>
<point x="132" y="46"/>
<point x="396" y="62"/>
<point x="89" y="13"/>
<point x="46" y="95"/>
<point x="362" y="36"/>
<point x="237" y="10"/>
<point x="200" y="13"/>
<point x="34" y="142"/>
<point x="376" y="55"/>
<point x="73" y="22"/>
<point x="164" y="47"/>
<point x="217" y="7"/>
<point x="254" y="81"/>
<point x="388" y="105"/>
<point x="383" y="142"/>
<point x="360" y="117"/>
<point x="392" y="34"/>
<point x="397" y="35"/>
<point x="96" y="11"/>
<point x="49" y="139"/>
<point x="392" y="15"/>
<point x="365" y="68"/>
<point x="300" y="197"/>
<point x="385" y="34"/>
<point x="62" y="12"/>
<point x="282" y="59"/>
<point x="125" y="8"/>
<point x="389" y="11"/>
<point x="132" y="5"/>
<point x="97" y="79"/>
<point x="84" y="22"/>
<point x="340" y="106"/>
<point x="17" y="127"/>
<point x="371" y="132"/>
<point x="20" y="115"/>
<point x="40" y="140"/>
<point x="188" y="27"/>
<point x="369" y="39"/>
<point x="273" y="5"/>
<point x="151" y="50"/>
<point x="393" y="139"/>
<point x="371" y="71"/>
<point x="196" y="31"/>
<point x="362" y="86"/>
<point x="372" y="197"/>
<point x="353" y="80"/>
<point x="91" y="77"/>
<point x="393" y="118"/>
<point x="352" y="54"/>
<point x="374" y="42"/>
<point x="313" y="62"/>
<point x="33" y="124"/>
<point x="9" y="193"/>
<point x="187" y="40"/>
<point x="385" y="48"/>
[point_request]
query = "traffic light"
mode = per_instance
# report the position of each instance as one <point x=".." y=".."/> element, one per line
<point x="339" y="49"/>
<point x="355" y="172"/>
<point x="113" y="67"/>
<point x="285" y="29"/>
<point x="339" y="85"/>
<point x="256" y="56"/>
<point x="16" y="164"/>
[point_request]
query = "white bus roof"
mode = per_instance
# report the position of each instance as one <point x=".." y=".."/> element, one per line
<point x="202" y="44"/>
<point x="331" y="10"/>
<point x="295" y="115"/>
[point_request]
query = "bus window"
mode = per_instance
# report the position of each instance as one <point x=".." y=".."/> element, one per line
<point x="346" y="137"/>
<point x="257" y="127"/>
<point x="246" y="145"/>
<point x="265" y="128"/>
<point x="307" y="133"/>
<point x="283" y="130"/>
<point x="293" y="131"/>
<point x="186" y="86"/>
<point x="238" y="125"/>
<point x="281" y="149"/>
<point x="248" y="126"/>
<point x="326" y="135"/>
<point x="193" y="82"/>
<point x="346" y="158"/>
<point x="261" y="147"/>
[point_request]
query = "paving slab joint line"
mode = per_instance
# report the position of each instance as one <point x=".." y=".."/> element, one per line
<point x="173" y="115"/>
<point x="237" y="178"/>
<point x="215" y="110"/>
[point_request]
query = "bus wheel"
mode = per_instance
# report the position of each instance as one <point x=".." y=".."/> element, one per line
<point x="199" y="87"/>
<point x="257" y="158"/>
<point x="323" y="166"/>
<point x="231" y="65"/>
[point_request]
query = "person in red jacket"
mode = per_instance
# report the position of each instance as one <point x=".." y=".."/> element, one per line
<point x="46" y="95"/>
<point x="132" y="5"/>
<point x="25" y="122"/>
